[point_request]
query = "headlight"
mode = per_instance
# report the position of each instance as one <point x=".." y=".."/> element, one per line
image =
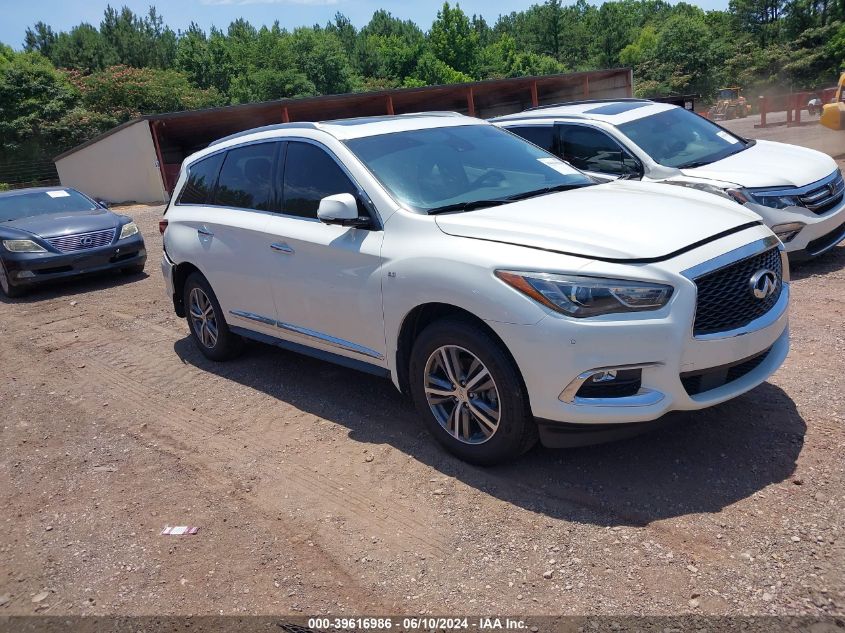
<point x="129" y="229"/>
<point x="23" y="246"/>
<point x="578" y="296"/>
<point x="775" y="202"/>
<point x="786" y="232"/>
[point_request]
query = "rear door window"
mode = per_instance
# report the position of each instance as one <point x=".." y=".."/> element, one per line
<point x="246" y="178"/>
<point x="541" y="135"/>
<point x="310" y="175"/>
<point x="202" y="176"/>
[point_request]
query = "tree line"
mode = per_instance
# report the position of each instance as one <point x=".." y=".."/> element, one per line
<point x="64" y="87"/>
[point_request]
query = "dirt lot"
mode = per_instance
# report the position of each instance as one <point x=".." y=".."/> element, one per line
<point x="317" y="491"/>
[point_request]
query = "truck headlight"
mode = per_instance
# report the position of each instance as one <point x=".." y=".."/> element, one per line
<point x="23" y="246"/>
<point x="579" y="296"/>
<point x="128" y="230"/>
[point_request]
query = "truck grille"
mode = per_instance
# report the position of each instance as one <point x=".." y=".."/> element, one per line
<point x="826" y="196"/>
<point x="725" y="300"/>
<point x="82" y="241"/>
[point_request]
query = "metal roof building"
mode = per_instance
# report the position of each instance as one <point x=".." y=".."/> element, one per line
<point x="139" y="160"/>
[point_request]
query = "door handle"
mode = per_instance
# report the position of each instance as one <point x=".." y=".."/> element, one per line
<point x="205" y="232"/>
<point x="281" y="247"/>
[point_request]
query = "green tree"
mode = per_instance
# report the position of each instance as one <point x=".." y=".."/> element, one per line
<point x="324" y="62"/>
<point x="453" y="41"/>
<point x="124" y="92"/>
<point x="33" y="94"/>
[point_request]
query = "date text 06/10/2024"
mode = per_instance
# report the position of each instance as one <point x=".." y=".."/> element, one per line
<point x="418" y="623"/>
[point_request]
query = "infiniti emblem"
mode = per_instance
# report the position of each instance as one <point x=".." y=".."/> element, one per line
<point x="86" y="241"/>
<point x="763" y="283"/>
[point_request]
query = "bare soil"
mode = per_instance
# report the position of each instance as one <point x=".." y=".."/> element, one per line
<point x="316" y="489"/>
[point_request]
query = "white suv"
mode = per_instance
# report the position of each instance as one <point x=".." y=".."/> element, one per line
<point x="798" y="192"/>
<point x="502" y="289"/>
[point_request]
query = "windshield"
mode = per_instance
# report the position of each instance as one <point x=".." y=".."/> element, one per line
<point x="680" y="138"/>
<point x="26" y="205"/>
<point x="464" y="167"/>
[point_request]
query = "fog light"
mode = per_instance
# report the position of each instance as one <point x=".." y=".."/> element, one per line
<point x="24" y="274"/>
<point x="786" y="232"/>
<point x="603" y="376"/>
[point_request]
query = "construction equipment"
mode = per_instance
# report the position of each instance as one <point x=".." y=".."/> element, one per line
<point x="833" y="113"/>
<point x="730" y="104"/>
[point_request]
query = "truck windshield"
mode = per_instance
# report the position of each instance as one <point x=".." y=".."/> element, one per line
<point x="14" y="206"/>
<point x="460" y="168"/>
<point x="680" y="138"/>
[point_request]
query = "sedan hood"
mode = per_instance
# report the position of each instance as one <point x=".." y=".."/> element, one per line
<point x="618" y="221"/>
<point x="56" y="224"/>
<point x="768" y="164"/>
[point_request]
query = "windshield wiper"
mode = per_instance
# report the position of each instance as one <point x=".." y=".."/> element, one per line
<point x="545" y="190"/>
<point x="468" y="206"/>
<point x="694" y="163"/>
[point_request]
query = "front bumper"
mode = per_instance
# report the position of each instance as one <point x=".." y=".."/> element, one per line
<point x="678" y="371"/>
<point x="28" y="269"/>
<point x="821" y="233"/>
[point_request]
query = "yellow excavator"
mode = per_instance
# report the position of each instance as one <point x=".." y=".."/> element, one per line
<point x="833" y="113"/>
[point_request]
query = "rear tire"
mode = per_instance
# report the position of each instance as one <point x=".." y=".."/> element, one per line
<point x="6" y="287"/>
<point x="483" y="415"/>
<point x="208" y="328"/>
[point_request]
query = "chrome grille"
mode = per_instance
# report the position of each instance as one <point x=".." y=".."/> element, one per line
<point x="825" y="195"/>
<point x="725" y="301"/>
<point x="82" y="241"/>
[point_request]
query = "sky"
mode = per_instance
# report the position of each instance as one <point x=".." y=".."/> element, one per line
<point x="178" y="14"/>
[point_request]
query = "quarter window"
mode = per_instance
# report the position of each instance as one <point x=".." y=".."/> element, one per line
<point x="541" y="135"/>
<point x="201" y="178"/>
<point x="311" y="175"/>
<point x="592" y="150"/>
<point x="246" y="179"/>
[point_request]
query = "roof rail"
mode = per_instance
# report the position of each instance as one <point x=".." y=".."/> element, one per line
<point x="266" y="128"/>
<point x="584" y="101"/>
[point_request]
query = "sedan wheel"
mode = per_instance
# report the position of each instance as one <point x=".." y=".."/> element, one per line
<point x="462" y="394"/>
<point x="5" y="287"/>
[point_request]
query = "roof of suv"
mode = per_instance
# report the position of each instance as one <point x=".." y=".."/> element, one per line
<point x="363" y="126"/>
<point x="614" y="112"/>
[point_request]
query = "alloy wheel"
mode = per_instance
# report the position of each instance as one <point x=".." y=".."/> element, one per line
<point x="462" y="394"/>
<point x="203" y="317"/>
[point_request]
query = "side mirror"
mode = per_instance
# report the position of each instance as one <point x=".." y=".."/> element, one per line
<point x="104" y="203"/>
<point x="342" y="209"/>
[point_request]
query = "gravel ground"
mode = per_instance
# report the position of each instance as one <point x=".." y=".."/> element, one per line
<point x="316" y="490"/>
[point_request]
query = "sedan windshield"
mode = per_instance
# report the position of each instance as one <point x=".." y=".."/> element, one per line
<point x="25" y="205"/>
<point x="680" y="138"/>
<point x="460" y="168"/>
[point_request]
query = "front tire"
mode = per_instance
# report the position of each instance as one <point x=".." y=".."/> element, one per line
<point x="5" y="285"/>
<point x="208" y="328"/>
<point x="470" y="394"/>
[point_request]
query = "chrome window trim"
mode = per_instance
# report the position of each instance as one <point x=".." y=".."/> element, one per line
<point x="312" y="334"/>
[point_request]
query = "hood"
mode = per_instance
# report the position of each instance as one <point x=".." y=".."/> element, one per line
<point x="768" y="164"/>
<point x="621" y="220"/>
<point x="65" y="223"/>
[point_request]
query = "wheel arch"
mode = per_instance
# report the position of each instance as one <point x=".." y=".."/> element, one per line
<point x="181" y="272"/>
<point x="421" y="317"/>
